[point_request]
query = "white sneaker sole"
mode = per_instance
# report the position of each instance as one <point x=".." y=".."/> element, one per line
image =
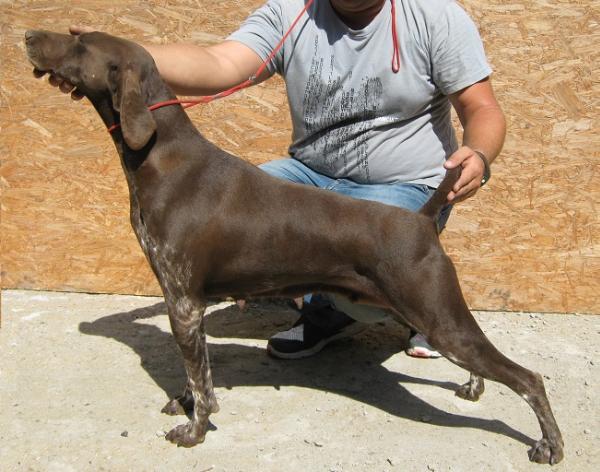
<point x="422" y="353"/>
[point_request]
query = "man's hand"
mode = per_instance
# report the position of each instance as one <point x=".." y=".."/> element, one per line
<point x="484" y="130"/>
<point x="63" y="85"/>
<point x="473" y="169"/>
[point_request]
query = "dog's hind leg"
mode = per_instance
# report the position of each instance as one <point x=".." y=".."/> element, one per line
<point x="187" y="324"/>
<point x="472" y="390"/>
<point x="435" y="307"/>
<point x="462" y="342"/>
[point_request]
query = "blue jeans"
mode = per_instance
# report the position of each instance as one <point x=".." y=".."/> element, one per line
<point x="404" y="195"/>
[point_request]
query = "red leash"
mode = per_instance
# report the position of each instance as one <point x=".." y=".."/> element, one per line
<point x="187" y="103"/>
<point x="396" y="53"/>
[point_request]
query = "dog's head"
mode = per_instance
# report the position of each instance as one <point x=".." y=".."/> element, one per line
<point x="100" y="66"/>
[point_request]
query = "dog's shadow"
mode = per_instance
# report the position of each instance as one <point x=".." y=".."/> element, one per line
<point x="352" y="367"/>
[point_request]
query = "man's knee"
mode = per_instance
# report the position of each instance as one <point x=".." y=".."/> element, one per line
<point x="284" y="169"/>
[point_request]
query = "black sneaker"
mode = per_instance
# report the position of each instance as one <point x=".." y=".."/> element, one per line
<point x="317" y="326"/>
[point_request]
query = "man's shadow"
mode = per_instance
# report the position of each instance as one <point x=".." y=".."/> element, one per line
<point x="352" y="367"/>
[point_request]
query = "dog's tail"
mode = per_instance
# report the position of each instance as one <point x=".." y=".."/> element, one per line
<point x="439" y="199"/>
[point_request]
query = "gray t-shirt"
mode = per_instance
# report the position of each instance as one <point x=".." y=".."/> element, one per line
<point x="352" y="116"/>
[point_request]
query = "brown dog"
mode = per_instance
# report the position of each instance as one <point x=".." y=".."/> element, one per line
<point x="212" y="225"/>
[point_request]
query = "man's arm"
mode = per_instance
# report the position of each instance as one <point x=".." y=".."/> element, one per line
<point x="193" y="70"/>
<point x="484" y="131"/>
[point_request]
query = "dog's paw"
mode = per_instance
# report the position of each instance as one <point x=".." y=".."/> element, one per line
<point x="469" y="391"/>
<point x="544" y="452"/>
<point x="185" y="435"/>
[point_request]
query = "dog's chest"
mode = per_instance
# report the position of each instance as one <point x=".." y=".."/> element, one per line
<point x="173" y="274"/>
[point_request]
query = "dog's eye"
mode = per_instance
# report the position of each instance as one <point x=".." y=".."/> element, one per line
<point x="113" y="67"/>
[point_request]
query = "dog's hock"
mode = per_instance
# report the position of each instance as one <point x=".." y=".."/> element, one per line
<point x="137" y="123"/>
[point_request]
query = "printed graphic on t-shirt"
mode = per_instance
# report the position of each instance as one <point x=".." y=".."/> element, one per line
<point x="337" y="115"/>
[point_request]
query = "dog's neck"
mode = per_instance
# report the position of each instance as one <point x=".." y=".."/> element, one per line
<point x="166" y="118"/>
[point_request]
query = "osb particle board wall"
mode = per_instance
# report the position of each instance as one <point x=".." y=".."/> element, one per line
<point x="528" y="241"/>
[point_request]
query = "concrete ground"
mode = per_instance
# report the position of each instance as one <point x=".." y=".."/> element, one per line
<point x="83" y="379"/>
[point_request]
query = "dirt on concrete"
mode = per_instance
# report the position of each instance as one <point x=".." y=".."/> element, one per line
<point x="83" y="378"/>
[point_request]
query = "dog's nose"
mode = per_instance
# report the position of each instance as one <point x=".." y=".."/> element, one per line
<point x="29" y="34"/>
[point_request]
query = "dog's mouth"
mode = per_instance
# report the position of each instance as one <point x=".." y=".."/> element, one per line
<point x="38" y="63"/>
<point x="35" y="60"/>
<point x="40" y="70"/>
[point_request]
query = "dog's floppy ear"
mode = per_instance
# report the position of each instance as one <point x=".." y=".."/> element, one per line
<point x="137" y="122"/>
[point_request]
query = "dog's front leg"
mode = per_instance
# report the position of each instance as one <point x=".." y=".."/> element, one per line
<point x="181" y="405"/>
<point x="187" y="324"/>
